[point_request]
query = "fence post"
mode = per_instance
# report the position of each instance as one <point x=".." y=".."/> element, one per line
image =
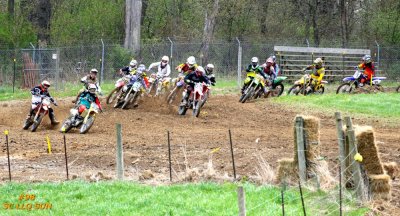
<point x="120" y="159"/>
<point x="169" y="157"/>
<point x="241" y="201"/>
<point x="14" y="71"/>
<point x="102" y="63"/>
<point x="239" y="64"/>
<point x="66" y="157"/>
<point x="233" y="158"/>
<point x="301" y="148"/>
<point x="8" y="155"/>
<point x="357" y="178"/>
<point x="378" y="57"/>
<point x="171" y="51"/>
<point x="342" y="152"/>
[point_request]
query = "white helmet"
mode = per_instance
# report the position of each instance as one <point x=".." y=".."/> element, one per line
<point x="209" y="68"/>
<point x="318" y="61"/>
<point x="254" y="60"/>
<point x="92" y="88"/>
<point x="191" y="60"/>
<point x="140" y="69"/>
<point x="200" y="69"/>
<point x="45" y="84"/>
<point x="133" y="63"/>
<point x="165" y="59"/>
<point x="94" y="70"/>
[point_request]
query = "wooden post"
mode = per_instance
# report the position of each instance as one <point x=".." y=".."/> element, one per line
<point x="120" y="158"/>
<point x="342" y="152"/>
<point x="233" y="158"/>
<point x="241" y="201"/>
<point x="66" y="158"/>
<point x="301" y="148"/>
<point x="357" y="178"/>
<point x="169" y="157"/>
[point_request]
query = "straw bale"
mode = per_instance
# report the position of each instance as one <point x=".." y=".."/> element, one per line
<point x="380" y="186"/>
<point x="287" y="170"/>
<point x="392" y="169"/>
<point x="368" y="149"/>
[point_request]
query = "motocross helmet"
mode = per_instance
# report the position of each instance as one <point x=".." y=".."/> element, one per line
<point x="133" y="63"/>
<point x="191" y="61"/>
<point x="209" y="69"/>
<point x="318" y="62"/>
<point x="94" y="70"/>
<point x="367" y="59"/>
<point x="92" y="88"/>
<point x="140" y="70"/>
<point x="254" y="62"/>
<point x="164" y="60"/>
<point x="200" y="71"/>
<point x="45" y="84"/>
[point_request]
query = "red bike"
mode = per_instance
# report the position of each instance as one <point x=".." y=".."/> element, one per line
<point x="196" y="99"/>
<point x="41" y="110"/>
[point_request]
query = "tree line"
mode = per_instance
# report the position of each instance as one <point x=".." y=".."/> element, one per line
<point x="317" y="22"/>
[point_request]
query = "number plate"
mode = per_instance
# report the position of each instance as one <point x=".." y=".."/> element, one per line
<point x="136" y="86"/>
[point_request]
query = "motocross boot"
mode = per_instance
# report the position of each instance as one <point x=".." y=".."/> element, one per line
<point x="53" y="117"/>
<point x="185" y="99"/>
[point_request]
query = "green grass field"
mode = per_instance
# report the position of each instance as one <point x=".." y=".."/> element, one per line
<point x="127" y="198"/>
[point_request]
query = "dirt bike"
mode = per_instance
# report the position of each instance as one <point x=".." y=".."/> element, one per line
<point x="305" y="86"/>
<point x="130" y="93"/>
<point x="41" y="110"/>
<point x="158" y="83"/>
<point x="276" y="89"/>
<point x="196" y="99"/>
<point x="83" y="120"/>
<point x="180" y="85"/>
<point x="254" y="86"/>
<point x="354" y="82"/>
<point x="117" y="90"/>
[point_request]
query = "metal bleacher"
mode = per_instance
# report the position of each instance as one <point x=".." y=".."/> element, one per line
<point x="338" y="62"/>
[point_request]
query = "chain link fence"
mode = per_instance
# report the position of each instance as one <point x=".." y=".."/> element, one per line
<point x="26" y="67"/>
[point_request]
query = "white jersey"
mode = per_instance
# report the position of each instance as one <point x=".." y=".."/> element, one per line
<point x="163" y="72"/>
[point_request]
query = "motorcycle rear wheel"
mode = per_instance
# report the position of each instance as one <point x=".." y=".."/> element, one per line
<point x="276" y="92"/>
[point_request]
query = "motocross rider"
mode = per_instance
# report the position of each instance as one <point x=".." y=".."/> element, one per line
<point x="276" y="66"/>
<point x="164" y="69"/>
<point x="140" y="72"/>
<point x="209" y="73"/>
<point x="369" y="69"/>
<point x="87" y="97"/>
<point x="185" y="68"/>
<point x="37" y="93"/>
<point x="91" y="78"/>
<point x="129" y="69"/>
<point x="194" y="77"/>
<point x="253" y="69"/>
<point x="269" y="70"/>
<point x="318" y="73"/>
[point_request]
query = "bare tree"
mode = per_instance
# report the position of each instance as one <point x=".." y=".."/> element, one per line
<point x="11" y="8"/>
<point x="133" y="14"/>
<point x="208" y="33"/>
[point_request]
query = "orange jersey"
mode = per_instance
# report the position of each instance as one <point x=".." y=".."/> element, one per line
<point x="369" y="70"/>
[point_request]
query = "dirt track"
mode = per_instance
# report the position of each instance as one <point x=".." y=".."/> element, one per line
<point x="145" y="140"/>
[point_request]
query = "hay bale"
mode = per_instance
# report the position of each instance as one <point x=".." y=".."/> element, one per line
<point x="380" y="186"/>
<point x="287" y="171"/>
<point x="312" y="137"/>
<point x="368" y="149"/>
<point x="392" y="169"/>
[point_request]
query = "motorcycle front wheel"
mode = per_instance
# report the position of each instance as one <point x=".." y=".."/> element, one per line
<point x="27" y="123"/>
<point x="36" y="123"/>
<point x="294" y="90"/>
<point x="196" y="108"/>
<point x="66" y="126"/>
<point x="344" y="88"/>
<point x="86" y="126"/>
<point x="112" y="95"/>
<point x="248" y="94"/>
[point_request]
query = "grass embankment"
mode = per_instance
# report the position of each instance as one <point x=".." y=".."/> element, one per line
<point x="127" y="198"/>
<point x="385" y="105"/>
